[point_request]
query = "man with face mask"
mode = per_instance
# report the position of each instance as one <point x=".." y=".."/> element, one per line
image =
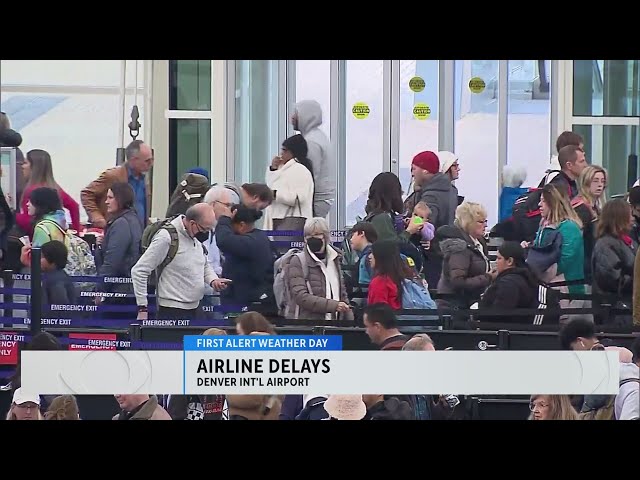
<point x="180" y="283"/>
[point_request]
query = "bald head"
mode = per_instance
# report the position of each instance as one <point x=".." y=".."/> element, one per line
<point x="202" y="215"/>
<point x="420" y="342"/>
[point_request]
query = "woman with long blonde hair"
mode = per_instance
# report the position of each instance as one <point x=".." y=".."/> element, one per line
<point x="38" y="171"/>
<point x="551" y="407"/>
<point x="588" y="205"/>
<point x="560" y="221"/>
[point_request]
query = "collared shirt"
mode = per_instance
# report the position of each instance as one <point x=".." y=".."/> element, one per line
<point x="140" y="191"/>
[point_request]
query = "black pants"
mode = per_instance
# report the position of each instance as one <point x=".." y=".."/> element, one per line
<point x="170" y="313"/>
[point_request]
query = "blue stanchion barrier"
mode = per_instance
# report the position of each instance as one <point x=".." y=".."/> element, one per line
<point x="116" y="322"/>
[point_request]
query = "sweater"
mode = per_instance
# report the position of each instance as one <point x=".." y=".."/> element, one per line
<point x="181" y="283"/>
<point x="23" y="220"/>
<point x="383" y="290"/>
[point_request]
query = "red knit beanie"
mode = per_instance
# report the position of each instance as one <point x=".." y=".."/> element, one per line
<point x="427" y="161"/>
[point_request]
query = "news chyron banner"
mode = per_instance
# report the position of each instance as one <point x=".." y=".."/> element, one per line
<point x="270" y="364"/>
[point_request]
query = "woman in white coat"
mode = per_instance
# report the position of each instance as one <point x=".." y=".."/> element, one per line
<point x="290" y="176"/>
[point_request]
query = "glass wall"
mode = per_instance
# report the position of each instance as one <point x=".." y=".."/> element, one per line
<point x="606" y="100"/>
<point x="190" y="85"/>
<point x="190" y="146"/>
<point x="482" y="131"/>
<point x="476" y="132"/>
<point x="364" y="136"/>
<point x="313" y="82"/>
<point x="256" y="119"/>
<point x="529" y="117"/>
<point x="189" y="132"/>
<point x="419" y="109"/>
<point x="607" y="88"/>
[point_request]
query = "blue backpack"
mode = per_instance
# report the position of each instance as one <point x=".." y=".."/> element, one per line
<point x="416" y="297"/>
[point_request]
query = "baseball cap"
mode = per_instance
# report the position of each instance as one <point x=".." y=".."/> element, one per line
<point x="20" y="397"/>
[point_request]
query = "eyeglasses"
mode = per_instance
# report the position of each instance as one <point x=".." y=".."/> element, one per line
<point x="228" y="205"/>
<point x="534" y="405"/>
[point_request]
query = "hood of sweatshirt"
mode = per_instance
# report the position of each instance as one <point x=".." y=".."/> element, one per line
<point x="309" y="115"/>
<point x="58" y="217"/>
<point x="438" y="183"/>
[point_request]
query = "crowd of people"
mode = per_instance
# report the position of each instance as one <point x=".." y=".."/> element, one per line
<point x="564" y="237"/>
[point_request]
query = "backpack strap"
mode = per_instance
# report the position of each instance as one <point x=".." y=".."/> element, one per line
<point x="305" y="273"/>
<point x="173" y="248"/>
<point x="58" y="227"/>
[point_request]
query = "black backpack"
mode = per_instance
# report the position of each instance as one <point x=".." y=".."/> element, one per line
<point x="525" y="217"/>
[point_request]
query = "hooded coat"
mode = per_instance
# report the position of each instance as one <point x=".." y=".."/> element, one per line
<point x="309" y="115"/>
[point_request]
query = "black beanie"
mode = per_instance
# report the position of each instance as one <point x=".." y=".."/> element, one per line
<point x="296" y="145"/>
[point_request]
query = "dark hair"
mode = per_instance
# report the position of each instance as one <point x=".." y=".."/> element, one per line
<point x="568" y="154"/>
<point x="245" y="214"/>
<point x="260" y="190"/>
<point x="297" y="145"/>
<point x="385" y="194"/>
<point x="255" y="322"/>
<point x="389" y="262"/>
<point x="614" y="219"/>
<point x="635" y="349"/>
<point x="381" y="313"/>
<point x="45" y="200"/>
<point x="55" y="252"/>
<point x="568" y="138"/>
<point x="634" y="196"/>
<point x="513" y="250"/>
<point x="578" y="327"/>
<point x="124" y="195"/>
<point x="368" y="229"/>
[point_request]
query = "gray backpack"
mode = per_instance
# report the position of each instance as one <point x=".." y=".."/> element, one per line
<point x="280" y="284"/>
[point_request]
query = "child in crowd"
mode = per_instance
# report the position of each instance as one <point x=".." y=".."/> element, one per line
<point x="363" y="235"/>
<point x="57" y="289"/>
<point x="421" y="213"/>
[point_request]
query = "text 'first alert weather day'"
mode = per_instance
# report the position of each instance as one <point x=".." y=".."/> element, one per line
<point x="261" y="342"/>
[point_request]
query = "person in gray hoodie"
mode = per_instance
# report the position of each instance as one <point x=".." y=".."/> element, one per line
<point x="307" y="119"/>
<point x="180" y="286"/>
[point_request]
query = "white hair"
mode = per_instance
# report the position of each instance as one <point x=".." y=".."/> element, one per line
<point x="217" y="194"/>
<point x="418" y="342"/>
<point x="513" y="176"/>
<point x="317" y="226"/>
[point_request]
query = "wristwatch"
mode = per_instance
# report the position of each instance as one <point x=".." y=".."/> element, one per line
<point x="142" y="308"/>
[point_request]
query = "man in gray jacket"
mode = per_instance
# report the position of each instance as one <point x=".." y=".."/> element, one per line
<point x="180" y="286"/>
<point x="307" y="119"/>
<point x="433" y="188"/>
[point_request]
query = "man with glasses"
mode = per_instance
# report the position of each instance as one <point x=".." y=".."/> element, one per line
<point x="180" y="286"/>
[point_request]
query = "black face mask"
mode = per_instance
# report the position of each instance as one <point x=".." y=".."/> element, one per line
<point x="315" y="244"/>
<point x="202" y="236"/>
